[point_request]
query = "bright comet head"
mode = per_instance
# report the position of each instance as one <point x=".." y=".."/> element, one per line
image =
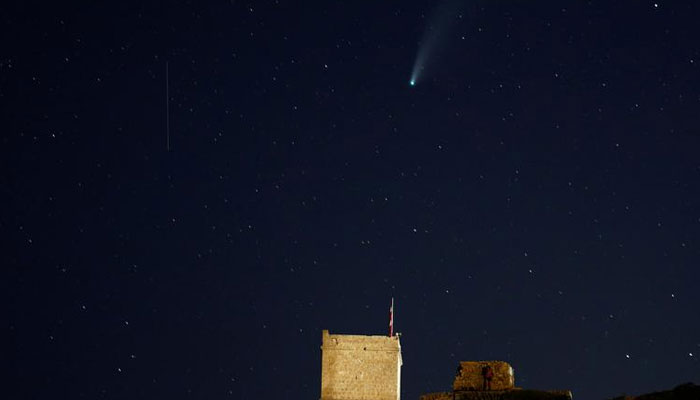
<point x="412" y="82"/>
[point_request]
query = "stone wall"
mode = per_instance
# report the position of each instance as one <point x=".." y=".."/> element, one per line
<point x="469" y="376"/>
<point x="356" y="367"/>
<point x="515" y="394"/>
<point x="437" y="396"/>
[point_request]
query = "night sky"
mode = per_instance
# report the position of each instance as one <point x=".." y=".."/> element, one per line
<point x="534" y="198"/>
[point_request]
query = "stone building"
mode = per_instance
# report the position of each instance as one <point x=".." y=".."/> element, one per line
<point x="358" y="367"/>
<point x="470" y="376"/>
<point x="470" y="383"/>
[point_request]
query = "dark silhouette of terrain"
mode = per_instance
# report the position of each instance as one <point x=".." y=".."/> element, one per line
<point x="686" y="391"/>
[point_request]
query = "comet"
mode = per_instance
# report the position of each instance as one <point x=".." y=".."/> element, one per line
<point x="439" y="26"/>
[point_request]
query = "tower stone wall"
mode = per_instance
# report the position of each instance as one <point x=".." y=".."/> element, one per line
<point x="357" y="367"/>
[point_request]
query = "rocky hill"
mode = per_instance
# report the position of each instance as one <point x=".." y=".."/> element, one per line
<point x="687" y="391"/>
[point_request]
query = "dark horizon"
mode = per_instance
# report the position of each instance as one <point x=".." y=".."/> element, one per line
<point x="533" y="197"/>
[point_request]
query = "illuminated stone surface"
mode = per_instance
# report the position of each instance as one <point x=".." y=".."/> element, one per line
<point x="357" y="367"/>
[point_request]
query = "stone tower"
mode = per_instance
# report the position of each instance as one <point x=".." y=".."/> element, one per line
<point x="356" y="367"/>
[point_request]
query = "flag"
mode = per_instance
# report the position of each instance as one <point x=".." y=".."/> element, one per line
<point x="391" y="318"/>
